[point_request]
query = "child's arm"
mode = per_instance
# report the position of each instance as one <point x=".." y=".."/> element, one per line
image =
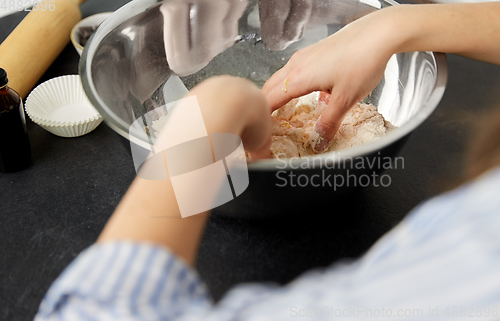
<point x="149" y="211"/>
<point x="350" y="63"/>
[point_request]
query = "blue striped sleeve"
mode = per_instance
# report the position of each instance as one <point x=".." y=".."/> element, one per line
<point x="124" y="281"/>
<point x="443" y="259"/>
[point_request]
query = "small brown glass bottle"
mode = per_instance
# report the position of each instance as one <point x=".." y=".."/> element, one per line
<point x="15" y="152"/>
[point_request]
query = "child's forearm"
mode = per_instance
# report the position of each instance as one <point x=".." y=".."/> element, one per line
<point x="468" y="29"/>
<point x="350" y="63"/>
<point x="149" y="211"/>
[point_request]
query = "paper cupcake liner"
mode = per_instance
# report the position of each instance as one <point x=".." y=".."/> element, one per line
<point x="60" y="106"/>
<point x="72" y="131"/>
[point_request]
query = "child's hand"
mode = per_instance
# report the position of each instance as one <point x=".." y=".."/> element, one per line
<point x="348" y="64"/>
<point x="235" y="106"/>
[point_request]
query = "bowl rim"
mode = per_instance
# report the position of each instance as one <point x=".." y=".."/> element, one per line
<point x="440" y="61"/>
<point x="52" y="123"/>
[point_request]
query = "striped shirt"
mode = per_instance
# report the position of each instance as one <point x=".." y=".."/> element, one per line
<point x="441" y="262"/>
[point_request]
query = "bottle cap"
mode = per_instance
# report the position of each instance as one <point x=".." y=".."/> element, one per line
<point x="3" y="78"/>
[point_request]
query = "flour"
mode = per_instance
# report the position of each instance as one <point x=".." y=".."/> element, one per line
<point x="293" y="132"/>
<point x="293" y="127"/>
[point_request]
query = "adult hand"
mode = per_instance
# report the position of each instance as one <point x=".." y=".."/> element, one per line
<point x="196" y="31"/>
<point x="283" y="21"/>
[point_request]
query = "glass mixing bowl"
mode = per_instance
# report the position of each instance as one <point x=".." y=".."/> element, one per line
<point x="126" y="72"/>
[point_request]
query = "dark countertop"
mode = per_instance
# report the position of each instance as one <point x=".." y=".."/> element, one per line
<point x="57" y="207"/>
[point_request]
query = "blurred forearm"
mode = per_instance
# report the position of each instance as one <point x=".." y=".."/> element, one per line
<point x="467" y="29"/>
<point x="149" y="212"/>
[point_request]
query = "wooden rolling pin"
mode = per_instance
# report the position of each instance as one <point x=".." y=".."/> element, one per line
<point x="37" y="41"/>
